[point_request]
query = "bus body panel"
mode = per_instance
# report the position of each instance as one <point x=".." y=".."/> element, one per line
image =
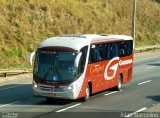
<point x="100" y="75"/>
<point x="95" y="75"/>
<point x="55" y="90"/>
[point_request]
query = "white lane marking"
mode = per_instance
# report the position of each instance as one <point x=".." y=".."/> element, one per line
<point x="147" y="58"/>
<point x="11" y="87"/>
<point x="9" y="104"/>
<point x="68" y="107"/>
<point x="144" y="82"/>
<point x="111" y="93"/>
<point x="150" y="67"/>
<point x="131" y="114"/>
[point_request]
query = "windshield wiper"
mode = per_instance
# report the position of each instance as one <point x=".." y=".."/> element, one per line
<point x="46" y="74"/>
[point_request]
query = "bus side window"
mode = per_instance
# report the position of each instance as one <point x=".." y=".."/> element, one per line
<point x="126" y="48"/>
<point x="96" y="53"/>
<point x="122" y="49"/>
<point x="115" y="48"/>
<point x="129" y="47"/>
<point x="92" y="55"/>
<point x="108" y="51"/>
<point x="102" y="50"/>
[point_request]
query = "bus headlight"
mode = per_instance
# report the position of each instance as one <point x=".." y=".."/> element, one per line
<point x="70" y="87"/>
<point x="35" y="84"/>
<point x="67" y="87"/>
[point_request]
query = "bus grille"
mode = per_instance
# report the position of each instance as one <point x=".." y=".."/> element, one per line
<point x="51" y="89"/>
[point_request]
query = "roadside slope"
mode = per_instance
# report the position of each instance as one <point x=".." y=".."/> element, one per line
<point x="25" y="23"/>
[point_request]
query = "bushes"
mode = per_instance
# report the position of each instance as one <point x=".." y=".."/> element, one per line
<point x="25" y="23"/>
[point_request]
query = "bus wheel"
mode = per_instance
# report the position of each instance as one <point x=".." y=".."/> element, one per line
<point x="87" y="93"/>
<point x="119" y="86"/>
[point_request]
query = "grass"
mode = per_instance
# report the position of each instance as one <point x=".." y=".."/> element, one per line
<point x="26" y="23"/>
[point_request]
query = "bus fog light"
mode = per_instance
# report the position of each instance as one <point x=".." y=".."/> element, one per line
<point x="35" y="86"/>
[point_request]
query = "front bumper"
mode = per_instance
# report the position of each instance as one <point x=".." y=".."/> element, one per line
<point x="66" y="94"/>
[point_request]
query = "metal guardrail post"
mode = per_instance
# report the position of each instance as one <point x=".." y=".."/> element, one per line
<point x="133" y="21"/>
<point x="146" y="48"/>
<point x="5" y="74"/>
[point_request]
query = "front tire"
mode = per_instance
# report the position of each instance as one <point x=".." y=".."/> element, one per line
<point x="88" y="92"/>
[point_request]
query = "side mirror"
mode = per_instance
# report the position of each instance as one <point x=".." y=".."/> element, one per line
<point x="77" y="59"/>
<point x="31" y="57"/>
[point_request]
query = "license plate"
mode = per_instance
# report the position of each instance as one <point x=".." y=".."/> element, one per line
<point x="51" y="94"/>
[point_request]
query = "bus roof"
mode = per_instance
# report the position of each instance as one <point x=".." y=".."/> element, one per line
<point x="76" y="42"/>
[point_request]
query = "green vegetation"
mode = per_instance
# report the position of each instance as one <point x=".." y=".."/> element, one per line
<point x="25" y="23"/>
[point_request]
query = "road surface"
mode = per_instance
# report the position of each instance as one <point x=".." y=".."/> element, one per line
<point x="141" y="93"/>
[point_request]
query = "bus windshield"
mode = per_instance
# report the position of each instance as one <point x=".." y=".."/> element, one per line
<point x="55" y="66"/>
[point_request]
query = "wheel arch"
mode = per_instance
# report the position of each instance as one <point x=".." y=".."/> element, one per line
<point x="121" y="75"/>
<point x="90" y="86"/>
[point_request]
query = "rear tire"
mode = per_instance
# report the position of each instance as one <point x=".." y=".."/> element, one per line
<point x="119" y="86"/>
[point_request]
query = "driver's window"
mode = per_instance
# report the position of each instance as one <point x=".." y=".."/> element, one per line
<point x="82" y="61"/>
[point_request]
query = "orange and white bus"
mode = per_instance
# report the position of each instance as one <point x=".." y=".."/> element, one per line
<point x="77" y="66"/>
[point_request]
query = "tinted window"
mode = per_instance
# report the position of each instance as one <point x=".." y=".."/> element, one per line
<point x="109" y="49"/>
<point x="129" y="49"/>
<point x="115" y="50"/>
<point x="94" y="54"/>
<point x="122" y="50"/>
<point x="126" y="48"/>
<point x="112" y="50"/>
<point x="100" y="52"/>
<point x="82" y="61"/>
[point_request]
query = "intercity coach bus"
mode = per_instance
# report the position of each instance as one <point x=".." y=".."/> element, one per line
<point x="77" y="66"/>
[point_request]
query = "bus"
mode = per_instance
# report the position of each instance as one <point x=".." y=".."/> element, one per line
<point x="77" y="66"/>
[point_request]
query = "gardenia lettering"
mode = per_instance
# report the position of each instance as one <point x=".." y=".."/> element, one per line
<point x="125" y="62"/>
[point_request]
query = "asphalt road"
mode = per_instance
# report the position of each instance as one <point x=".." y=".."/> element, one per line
<point x="142" y="92"/>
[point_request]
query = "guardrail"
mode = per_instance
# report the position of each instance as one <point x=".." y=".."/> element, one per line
<point x="6" y="72"/>
<point x="146" y="48"/>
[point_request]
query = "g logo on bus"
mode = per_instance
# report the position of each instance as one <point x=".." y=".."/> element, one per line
<point x="112" y="67"/>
